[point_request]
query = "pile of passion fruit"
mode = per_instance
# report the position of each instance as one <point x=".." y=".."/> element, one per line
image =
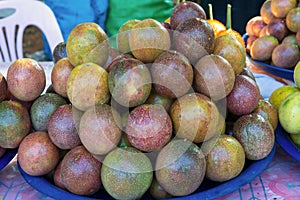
<point x="171" y="106"/>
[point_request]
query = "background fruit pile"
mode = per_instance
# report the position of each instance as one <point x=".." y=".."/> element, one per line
<point x="274" y="36"/>
<point x="172" y="106"/>
<point x="286" y="100"/>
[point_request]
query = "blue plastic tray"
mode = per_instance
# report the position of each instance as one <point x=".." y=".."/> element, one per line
<point x="7" y="157"/>
<point x="207" y="190"/>
<point x="274" y="70"/>
<point x="286" y="143"/>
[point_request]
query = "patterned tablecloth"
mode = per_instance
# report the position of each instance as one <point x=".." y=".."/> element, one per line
<point x="281" y="180"/>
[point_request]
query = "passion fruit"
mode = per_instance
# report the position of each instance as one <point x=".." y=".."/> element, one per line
<point x="87" y="42"/>
<point x="15" y="124"/>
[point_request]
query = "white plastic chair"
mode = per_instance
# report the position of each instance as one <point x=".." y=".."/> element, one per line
<point x="27" y="12"/>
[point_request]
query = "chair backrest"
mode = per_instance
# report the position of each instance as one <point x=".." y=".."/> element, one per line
<point x="26" y="12"/>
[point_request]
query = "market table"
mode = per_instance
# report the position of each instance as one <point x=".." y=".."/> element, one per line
<point x="281" y="180"/>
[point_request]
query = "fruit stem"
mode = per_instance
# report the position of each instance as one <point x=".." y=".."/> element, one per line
<point x="211" y="16"/>
<point x="228" y="17"/>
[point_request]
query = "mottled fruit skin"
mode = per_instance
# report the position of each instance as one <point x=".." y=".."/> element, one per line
<point x="290" y="53"/>
<point x="288" y="111"/>
<point x="157" y="191"/>
<point x="80" y="172"/>
<point x="280" y="8"/>
<point x="290" y="39"/>
<point x="148" y="39"/>
<point x="57" y="177"/>
<point x="3" y="87"/>
<point x="14" y="124"/>
<point x="172" y="74"/>
<point x="87" y="42"/>
<point x="225" y="158"/>
<point x="180" y="167"/>
<point x="255" y="134"/>
<point x="232" y="50"/>
<point x="113" y="53"/>
<point x="59" y="76"/>
<point x="244" y="97"/>
<point x="266" y="13"/>
<point x="214" y="76"/>
<point x="254" y="26"/>
<point x="293" y="19"/>
<point x="26" y="79"/>
<point x="279" y="94"/>
<point x="129" y="82"/>
<point x="263" y="31"/>
<point x="37" y="155"/>
<point x="262" y="48"/>
<point x="100" y="129"/>
<point x="42" y="109"/>
<point x="59" y="52"/>
<point x="249" y="43"/>
<point x="149" y="127"/>
<point x="195" y="117"/>
<point x="63" y="127"/>
<point x="155" y="98"/>
<point x="124" y="169"/>
<point x="277" y="28"/>
<point x="194" y="33"/>
<point x="267" y="111"/>
<point x="117" y="59"/>
<point x="124" y="34"/>
<point x="185" y="10"/>
<point x="87" y="86"/>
